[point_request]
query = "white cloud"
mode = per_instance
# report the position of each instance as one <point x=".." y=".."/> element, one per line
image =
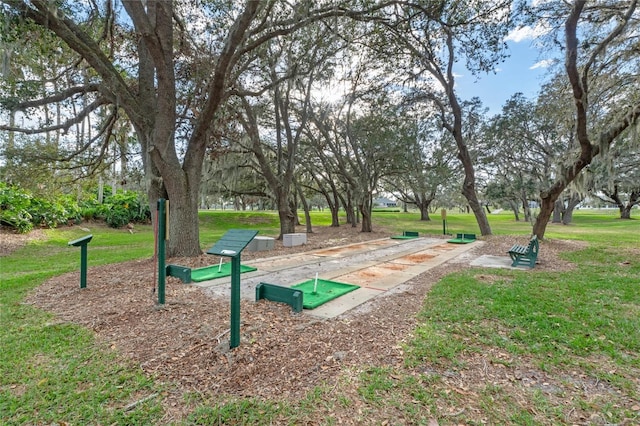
<point x="545" y="63"/>
<point x="528" y="33"/>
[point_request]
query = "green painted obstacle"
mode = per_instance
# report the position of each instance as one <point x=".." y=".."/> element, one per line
<point x="463" y="239"/>
<point x="181" y="272"/>
<point x="276" y="293"/>
<point x="406" y="235"/>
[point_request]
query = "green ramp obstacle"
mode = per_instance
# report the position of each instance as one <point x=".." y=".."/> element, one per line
<point x="276" y="293"/>
<point x="325" y="291"/>
<point x="463" y="239"/>
<point x="216" y="271"/>
<point x="406" y="235"/>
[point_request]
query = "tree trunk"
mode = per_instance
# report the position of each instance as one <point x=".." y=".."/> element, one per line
<point x="305" y="206"/>
<point x="423" y="205"/>
<point x="335" y="219"/>
<point x="287" y="221"/>
<point x="625" y="210"/>
<point x="540" y="225"/>
<point x="334" y="206"/>
<point x="469" y="184"/>
<point x="558" y="211"/>
<point x="366" y="221"/>
<point x="514" y="207"/>
<point x="567" y="215"/>
<point x="525" y="208"/>
<point x="293" y="206"/>
<point x="365" y="208"/>
<point x="183" y="225"/>
<point x="349" y="209"/>
<point x="469" y="191"/>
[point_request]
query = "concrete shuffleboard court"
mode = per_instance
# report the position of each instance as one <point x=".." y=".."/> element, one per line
<point x="376" y="266"/>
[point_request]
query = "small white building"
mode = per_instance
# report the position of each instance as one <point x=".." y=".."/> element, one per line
<point x="384" y="202"/>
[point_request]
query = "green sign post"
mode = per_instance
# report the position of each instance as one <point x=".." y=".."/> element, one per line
<point x="443" y="213"/>
<point x="82" y="243"/>
<point x="231" y="245"/>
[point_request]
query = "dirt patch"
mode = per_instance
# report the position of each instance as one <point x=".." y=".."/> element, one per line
<point x="445" y="247"/>
<point x="11" y="241"/>
<point x="281" y="355"/>
<point x="417" y="258"/>
<point x="490" y="279"/>
<point x="394" y="266"/>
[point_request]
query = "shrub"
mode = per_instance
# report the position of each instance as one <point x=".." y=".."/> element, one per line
<point x="90" y="209"/>
<point x="124" y="207"/>
<point x="14" y="208"/>
<point x="53" y="213"/>
<point x="22" y="211"/>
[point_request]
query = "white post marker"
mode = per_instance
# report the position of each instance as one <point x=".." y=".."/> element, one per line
<point x="315" y="285"/>
<point x="220" y="265"/>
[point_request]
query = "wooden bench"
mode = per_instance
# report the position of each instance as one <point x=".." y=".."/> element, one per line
<point x="525" y="255"/>
<point x="276" y="293"/>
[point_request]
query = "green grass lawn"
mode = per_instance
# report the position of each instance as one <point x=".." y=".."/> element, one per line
<point x="585" y="321"/>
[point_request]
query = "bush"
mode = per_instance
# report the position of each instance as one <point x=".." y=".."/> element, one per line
<point x="90" y="209"/>
<point x="124" y="207"/>
<point x="22" y="211"/>
<point x="53" y="213"/>
<point x="14" y="208"/>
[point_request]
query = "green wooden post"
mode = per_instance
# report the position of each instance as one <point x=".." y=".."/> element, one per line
<point x="162" y="227"/>
<point x="82" y="243"/>
<point x="234" y="340"/>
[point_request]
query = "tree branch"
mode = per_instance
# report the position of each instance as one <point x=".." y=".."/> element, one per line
<point x="63" y="126"/>
<point x="45" y="14"/>
<point x="58" y="97"/>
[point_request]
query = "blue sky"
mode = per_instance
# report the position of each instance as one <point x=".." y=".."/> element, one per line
<point x="524" y="71"/>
